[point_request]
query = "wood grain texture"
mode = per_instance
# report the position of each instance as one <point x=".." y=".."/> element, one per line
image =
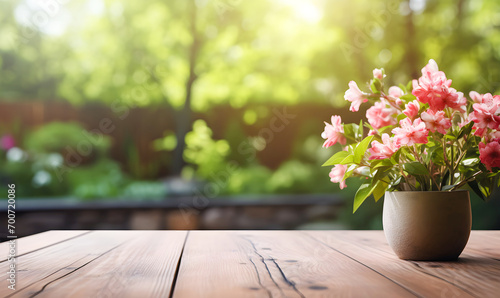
<point x="38" y="241"/>
<point x="103" y="264"/>
<point x="273" y="264"/>
<point x="371" y="249"/>
<point x="144" y="266"/>
<point x="244" y="264"/>
<point x="476" y="273"/>
<point x="39" y="268"/>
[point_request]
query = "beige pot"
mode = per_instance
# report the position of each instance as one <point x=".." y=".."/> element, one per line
<point x="427" y="225"/>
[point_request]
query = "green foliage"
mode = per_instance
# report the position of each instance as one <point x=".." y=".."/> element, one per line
<point x="207" y="154"/>
<point x="57" y="136"/>
<point x="55" y="163"/>
<point x="415" y="168"/>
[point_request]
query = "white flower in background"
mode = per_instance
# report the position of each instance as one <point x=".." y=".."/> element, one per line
<point x="41" y="178"/>
<point x="15" y="154"/>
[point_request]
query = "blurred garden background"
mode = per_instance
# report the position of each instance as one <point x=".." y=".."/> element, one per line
<point x="146" y="101"/>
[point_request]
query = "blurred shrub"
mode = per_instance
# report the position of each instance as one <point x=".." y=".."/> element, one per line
<point x="248" y="180"/>
<point x="206" y="154"/>
<point x="57" y="136"/>
<point x="141" y="190"/>
<point x="51" y="164"/>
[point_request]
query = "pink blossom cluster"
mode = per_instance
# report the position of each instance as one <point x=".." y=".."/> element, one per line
<point x="431" y="114"/>
<point x="489" y="154"/>
<point x="486" y="112"/>
<point x="486" y="118"/>
<point x="434" y="88"/>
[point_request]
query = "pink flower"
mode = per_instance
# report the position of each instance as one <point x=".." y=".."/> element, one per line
<point x="380" y="115"/>
<point x="409" y="134"/>
<point x="395" y="91"/>
<point x="494" y="135"/>
<point x="337" y="175"/>
<point x="434" y="88"/>
<point x="476" y="97"/>
<point x="7" y="142"/>
<point x="489" y="154"/>
<point x="411" y="109"/>
<point x="355" y="96"/>
<point x="382" y="151"/>
<point x="436" y="121"/>
<point x="377" y="73"/>
<point x="486" y="114"/>
<point x="334" y="132"/>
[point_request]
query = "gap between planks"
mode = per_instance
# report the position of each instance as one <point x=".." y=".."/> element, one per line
<point x="42" y="243"/>
<point x="176" y="274"/>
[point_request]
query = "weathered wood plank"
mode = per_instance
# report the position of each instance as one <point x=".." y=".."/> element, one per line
<point x="45" y="265"/>
<point x="476" y="274"/>
<point x="371" y="249"/>
<point x="38" y="241"/>
<point x="273" y="264"/>
<point x="145" y="266"/>
<point x="243" y="264"/>
<point x="484" y="243"/>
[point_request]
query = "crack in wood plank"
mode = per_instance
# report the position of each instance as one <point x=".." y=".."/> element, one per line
<point x="72" y="271"/>
<point x="269" y="294"/>
<point x="290" y="282"/>
<point x="263" y="260"/>
<point x="390" y="279"/>
<point x="47" y="276"/>
<point x="176" y="274"/>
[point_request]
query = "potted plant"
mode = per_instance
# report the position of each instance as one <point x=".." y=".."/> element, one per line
<point x="425" y="141"/>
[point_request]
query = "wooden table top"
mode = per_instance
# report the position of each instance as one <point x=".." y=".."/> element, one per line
<point x="242" y="264"/>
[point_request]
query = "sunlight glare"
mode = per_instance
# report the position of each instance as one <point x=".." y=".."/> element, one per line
<point x="305" y="9"/>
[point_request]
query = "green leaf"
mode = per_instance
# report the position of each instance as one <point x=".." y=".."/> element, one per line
<point x="349" y="171"/>
<point x="381" y="173"/>
<point x="409" y="86"/>
<point x="408" y="97"/>
<point x="387" y="128"/>
<point x="468" y="162"/>
<point x="395" y="183"/>
<point x="360" y="129"/>
<point x="400" y="117"/>
<point x="382" y="163"/>
<point x="395" y="156"/>
<point x="337" y="158"/>
<point x="415" y="168"/>
<point x="447" y="187"/>
<point x="465" y="130"/>
<point x="361" y="148"/>
<point x="445" y="177"/>
<point x="364" y="191"/>
<point x="351" y="131"/>
<point x="407" y="153"/>
<point x="403" y="87"/>
<point x="379" y="190"/>
<point x="475" y="187"/>
<point x="376" y="86"/>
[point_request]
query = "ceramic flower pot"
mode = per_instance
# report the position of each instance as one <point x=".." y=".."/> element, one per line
<point x="427" y="225"/>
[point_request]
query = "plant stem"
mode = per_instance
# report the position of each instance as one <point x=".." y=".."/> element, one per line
<point x="465" y="180"/>
<point x="445" y="157"/>
<point x="452" y="169"/>
<point x="431" y="166"/>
